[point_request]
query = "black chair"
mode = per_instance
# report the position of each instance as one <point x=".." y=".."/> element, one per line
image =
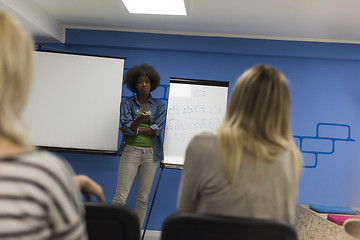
<point x="107" y="221"/>
<point x="187" y="226"/>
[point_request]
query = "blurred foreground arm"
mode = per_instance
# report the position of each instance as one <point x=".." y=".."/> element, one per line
<point x="89" y="187"/>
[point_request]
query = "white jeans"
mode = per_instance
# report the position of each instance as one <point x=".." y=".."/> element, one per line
<point x="136" y="160"/>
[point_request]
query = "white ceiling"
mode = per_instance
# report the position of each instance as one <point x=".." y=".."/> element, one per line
<point x="305" y="20"/>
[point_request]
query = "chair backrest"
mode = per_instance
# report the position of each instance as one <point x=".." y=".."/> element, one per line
<point x="107" y="221"/>
<point x="187" y="226"/>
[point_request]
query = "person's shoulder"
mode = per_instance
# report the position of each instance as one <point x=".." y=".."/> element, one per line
<point x="202" y="149"/>
<point x="45" y="168"/>
<point x="284" y="157"/>
<point x="158" y="101"/>
<point x="45" y="160"/>
<point x="204" y="139"/>
<point x="206" y="135"/>
<point x="128" y="100"/>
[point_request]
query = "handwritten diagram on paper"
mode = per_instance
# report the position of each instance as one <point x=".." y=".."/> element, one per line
<point x="192" y="109"/>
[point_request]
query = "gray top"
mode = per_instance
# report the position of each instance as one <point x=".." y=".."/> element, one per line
<point x="262" y="190"/>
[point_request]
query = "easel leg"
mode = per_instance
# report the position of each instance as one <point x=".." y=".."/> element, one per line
<point x="152" y="203"/>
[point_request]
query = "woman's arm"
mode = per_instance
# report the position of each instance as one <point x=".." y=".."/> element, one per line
<point x="199" y="206"/>
<point x="126" y="118"/>
<point x="159" y="120"/>
<point x="89" y="187"/>
<point x="143" y="117"/>
<point x="146" y="131"/>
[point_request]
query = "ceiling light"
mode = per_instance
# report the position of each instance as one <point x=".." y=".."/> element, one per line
<point x="163" y="7"/>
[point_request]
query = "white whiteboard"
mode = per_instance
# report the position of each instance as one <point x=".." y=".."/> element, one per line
<point x="194" y="106"/>
<point x="75" y="101"/>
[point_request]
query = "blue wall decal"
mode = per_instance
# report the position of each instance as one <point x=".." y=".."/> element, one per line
<point x="318" y="141"/>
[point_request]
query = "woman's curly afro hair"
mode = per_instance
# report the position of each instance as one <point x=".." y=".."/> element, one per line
<point x="133" y="73"/>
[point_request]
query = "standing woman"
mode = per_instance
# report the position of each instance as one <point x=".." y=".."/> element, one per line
<point x="142" y="122"/>
<point x="251" y="167"/>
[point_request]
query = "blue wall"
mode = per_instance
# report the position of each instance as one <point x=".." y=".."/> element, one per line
<point x="324" y="88"/>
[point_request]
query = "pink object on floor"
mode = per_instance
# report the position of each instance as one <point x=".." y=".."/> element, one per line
<point x="339" y="219"/>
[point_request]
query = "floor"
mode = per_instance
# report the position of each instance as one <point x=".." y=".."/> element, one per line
<point x="151" y="235"/>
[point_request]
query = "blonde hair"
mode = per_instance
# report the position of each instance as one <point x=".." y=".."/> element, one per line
<point x="16" y="64"/>
<point x="258" y="121"/>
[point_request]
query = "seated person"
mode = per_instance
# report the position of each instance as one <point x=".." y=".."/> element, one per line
<point x="251" y="166"/>
<point x="39" y="195"/>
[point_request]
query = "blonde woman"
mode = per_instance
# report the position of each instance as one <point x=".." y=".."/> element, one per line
<point x="39" y="196"/>
<point x="251" y="167"/>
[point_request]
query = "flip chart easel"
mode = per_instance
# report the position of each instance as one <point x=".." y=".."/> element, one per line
<point x="194" y="106"/>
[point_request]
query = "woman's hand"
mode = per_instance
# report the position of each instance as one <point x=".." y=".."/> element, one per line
<point x="145" y="116"/>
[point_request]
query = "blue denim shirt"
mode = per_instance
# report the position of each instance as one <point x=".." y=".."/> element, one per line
<point x="129" y="110"/>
